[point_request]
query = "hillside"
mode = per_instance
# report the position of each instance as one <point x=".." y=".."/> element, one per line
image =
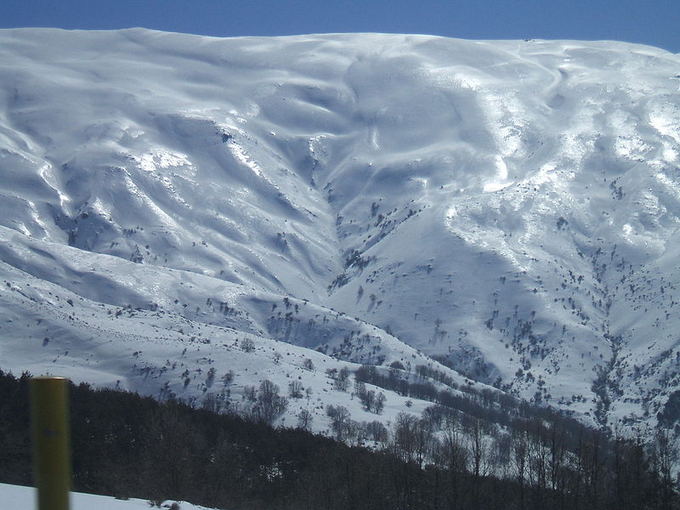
<point x="507" y="208"/>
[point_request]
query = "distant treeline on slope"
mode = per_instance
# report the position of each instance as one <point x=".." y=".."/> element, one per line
<point x="131" y="446"/>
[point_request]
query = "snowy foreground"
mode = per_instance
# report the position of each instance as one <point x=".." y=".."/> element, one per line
<point x="169" y="201"/>
<point x="15" y="497"/>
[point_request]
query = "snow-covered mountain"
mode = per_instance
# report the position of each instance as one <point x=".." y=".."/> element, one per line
<point x="508" y="208"/>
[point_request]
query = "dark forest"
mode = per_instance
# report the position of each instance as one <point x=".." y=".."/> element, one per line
<point x="126" y="445"/>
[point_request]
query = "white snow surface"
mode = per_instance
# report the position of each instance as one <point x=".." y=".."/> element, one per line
<point x="17" y="497"/>
<point x="512" y="206"/>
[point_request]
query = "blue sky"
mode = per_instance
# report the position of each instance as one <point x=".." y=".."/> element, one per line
<point x="655" y="22"/>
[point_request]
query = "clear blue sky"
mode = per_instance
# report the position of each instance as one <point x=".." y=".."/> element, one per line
<point x="655" y="22"/>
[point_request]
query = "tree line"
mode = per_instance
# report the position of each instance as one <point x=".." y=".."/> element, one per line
<point x="127" y="445"/>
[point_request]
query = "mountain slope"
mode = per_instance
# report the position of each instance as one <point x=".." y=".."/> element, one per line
<point x="509" y="208"/>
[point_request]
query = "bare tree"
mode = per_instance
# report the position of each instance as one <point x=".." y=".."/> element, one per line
<point x="379" y="403"/>
<point x="295" y="389"/>
<point x="342" y="379"/>
<point x="477" y="448"/>
<point x="269" y="404"/>
<point x="520" y="453"/>
<point x="412" y="439"/>
<point x="340" y="421"/>
<point x="305" y="419"/>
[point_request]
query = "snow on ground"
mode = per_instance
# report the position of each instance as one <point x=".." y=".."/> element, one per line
<point x="17" y="497"/>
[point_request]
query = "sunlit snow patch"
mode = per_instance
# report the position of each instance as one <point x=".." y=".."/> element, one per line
<point x="668" y="184"/>
<point x="669" y="154"/>
<point x="665" y="120"/>
<point x="160" y="159"/>
<point x="501" y="181"/>
<point x="244" y="158"/>
<point x="46" y="174"/>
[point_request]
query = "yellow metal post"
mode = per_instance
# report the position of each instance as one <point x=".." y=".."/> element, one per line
<point x="51" y="448"/>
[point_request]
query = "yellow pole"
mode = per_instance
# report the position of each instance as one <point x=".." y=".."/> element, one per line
<point x="51" y="449"/>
